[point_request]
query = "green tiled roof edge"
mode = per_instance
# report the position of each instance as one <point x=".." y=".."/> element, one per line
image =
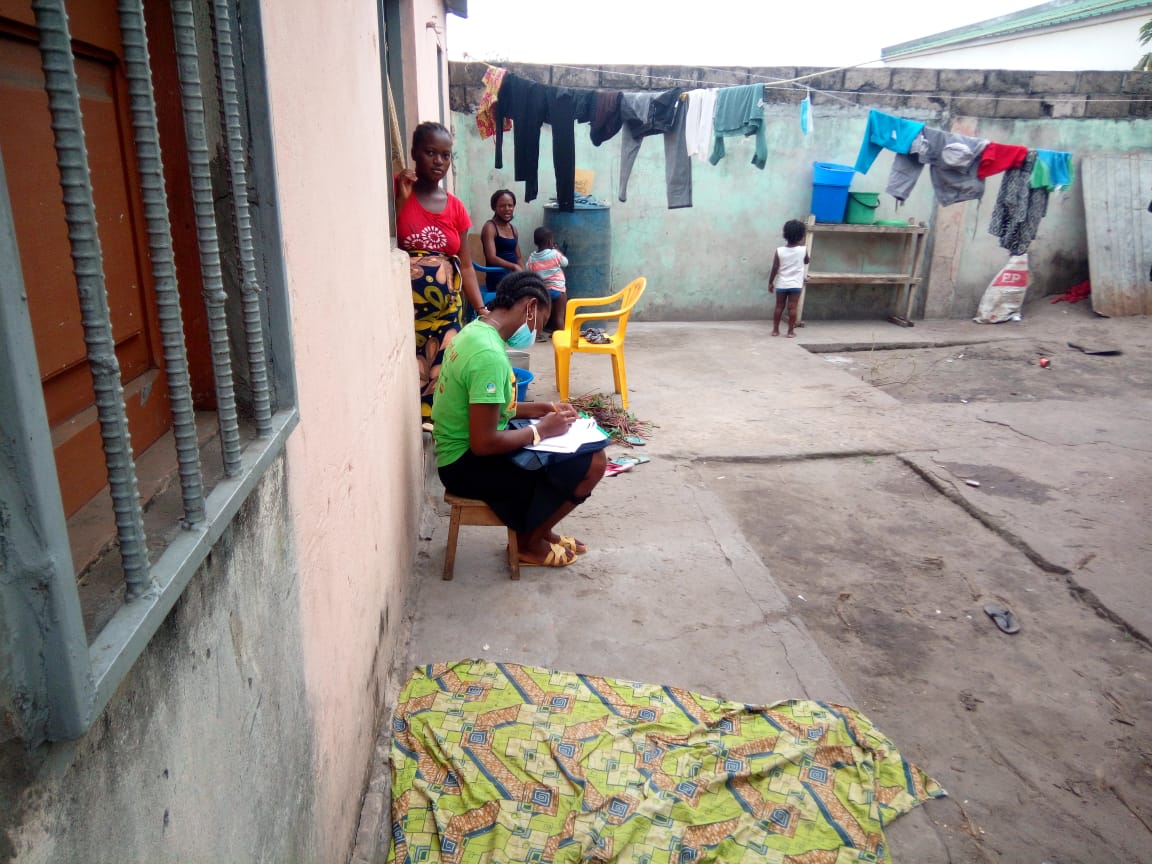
<point x="1034" y="18"/>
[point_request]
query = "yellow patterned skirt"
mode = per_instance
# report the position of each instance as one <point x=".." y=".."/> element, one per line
<point x="437" y="301"/>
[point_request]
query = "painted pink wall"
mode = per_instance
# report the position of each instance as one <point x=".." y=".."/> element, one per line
<point x="424" y="31"/>
<point x="354" y="462"/>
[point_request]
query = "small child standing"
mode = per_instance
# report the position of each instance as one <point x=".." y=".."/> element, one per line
<point x="546" y="262"/>
<point x="787" y="276"/>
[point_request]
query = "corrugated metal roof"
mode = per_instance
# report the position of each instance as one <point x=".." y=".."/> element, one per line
<point x="1056" y="13"/>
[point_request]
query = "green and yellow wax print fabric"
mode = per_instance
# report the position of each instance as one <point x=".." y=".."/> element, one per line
<point x="436" y="298"/>
<point x="494" y="762"/>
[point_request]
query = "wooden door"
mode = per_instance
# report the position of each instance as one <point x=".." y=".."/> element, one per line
<point x="1117" y="188"/>
<point x="42" y="237"/>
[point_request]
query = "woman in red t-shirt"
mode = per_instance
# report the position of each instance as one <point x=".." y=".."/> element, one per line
<point x="432" y="227"/>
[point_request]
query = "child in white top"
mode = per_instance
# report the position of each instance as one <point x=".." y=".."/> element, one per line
<point x="787" y="276"/>
<point x="546" y="262"/>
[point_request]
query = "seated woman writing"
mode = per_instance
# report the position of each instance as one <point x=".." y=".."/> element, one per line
<point x="475" y="399"/>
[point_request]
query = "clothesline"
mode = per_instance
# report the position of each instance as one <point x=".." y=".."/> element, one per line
<point x="959" y="164"/>
<point x="470" y="58"/>
<point x="698" y="125"/>
<point x="791" y="84"/>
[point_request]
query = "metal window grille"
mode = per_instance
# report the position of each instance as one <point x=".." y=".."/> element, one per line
<point x="61" y="683"/>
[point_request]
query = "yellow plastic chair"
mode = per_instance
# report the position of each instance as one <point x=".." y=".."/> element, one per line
<point x="568" y="341"/>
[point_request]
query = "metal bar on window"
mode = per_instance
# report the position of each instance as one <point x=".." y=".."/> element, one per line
<point x="88" y="266"/>
<point x="151" y="167"/>
<point x="192" y="99"/>
<point x="250" y="290"/>
<point x="43" y="650"/>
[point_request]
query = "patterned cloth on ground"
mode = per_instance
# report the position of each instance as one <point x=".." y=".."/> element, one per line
<point x="500" y="762"/>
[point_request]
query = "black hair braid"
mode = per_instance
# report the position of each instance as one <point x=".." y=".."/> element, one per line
<point x="522" y="283"/>
<point x="427" y="129"/>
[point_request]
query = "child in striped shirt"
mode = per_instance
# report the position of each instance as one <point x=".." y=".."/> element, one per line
<point x="546" y="262"/>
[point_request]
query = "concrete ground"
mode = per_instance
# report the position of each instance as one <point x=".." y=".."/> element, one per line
<point x="825" y="517"/>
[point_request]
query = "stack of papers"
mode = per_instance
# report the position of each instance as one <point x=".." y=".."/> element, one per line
<point x="583" y="431"/>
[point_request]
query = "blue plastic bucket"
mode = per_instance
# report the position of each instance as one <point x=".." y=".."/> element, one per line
<point x="523" y="379"/>
<point x="832" y="174"/>
<point x="830" y="184"/>
<point x="829" y="203"/>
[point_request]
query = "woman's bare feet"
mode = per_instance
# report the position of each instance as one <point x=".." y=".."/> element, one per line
<point x="775" y="332"/>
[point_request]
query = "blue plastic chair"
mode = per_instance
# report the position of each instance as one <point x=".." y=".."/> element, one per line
<point x="477" y="250"/>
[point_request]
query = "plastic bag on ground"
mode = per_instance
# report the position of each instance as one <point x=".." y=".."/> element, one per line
<point x="1004" y="296"/>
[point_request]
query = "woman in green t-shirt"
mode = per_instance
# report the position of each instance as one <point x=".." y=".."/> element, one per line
<point x="476" y="397"/>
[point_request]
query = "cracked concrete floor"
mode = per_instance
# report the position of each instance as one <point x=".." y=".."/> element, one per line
<point x="1042" y="738"/>
<point x="785" y="541"/>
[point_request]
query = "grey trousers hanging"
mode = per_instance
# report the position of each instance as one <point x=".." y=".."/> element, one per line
<point x="638" y="109"/>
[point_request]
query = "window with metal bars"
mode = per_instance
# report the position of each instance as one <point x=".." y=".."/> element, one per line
<point x="90" y="249"/>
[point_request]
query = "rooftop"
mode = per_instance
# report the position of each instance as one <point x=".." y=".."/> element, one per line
<point x="1058" y="13"/>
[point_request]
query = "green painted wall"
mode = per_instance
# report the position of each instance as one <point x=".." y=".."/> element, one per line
<point x="711" y="261"/>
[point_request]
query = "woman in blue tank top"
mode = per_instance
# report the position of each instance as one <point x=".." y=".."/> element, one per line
<point x="501" y="242"/>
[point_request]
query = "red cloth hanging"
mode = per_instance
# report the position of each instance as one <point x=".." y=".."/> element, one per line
<point x="1000" y="157"/>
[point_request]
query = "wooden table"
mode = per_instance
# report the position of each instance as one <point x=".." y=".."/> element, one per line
<point x="912" y="238"/>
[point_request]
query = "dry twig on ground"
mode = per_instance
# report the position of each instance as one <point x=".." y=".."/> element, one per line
<point x="618" y="423"/>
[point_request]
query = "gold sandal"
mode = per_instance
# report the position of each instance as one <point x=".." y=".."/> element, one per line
<point x="573" y="545"/>
<point x="557" y="557"/>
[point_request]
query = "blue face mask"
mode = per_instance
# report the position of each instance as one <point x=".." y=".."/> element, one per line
<point x="523" y="337"/>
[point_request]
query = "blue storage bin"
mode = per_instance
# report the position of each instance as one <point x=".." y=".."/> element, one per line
<point x="829" y="202"/>
<point x="585" y="237"/>
<point x="830" y="183"/>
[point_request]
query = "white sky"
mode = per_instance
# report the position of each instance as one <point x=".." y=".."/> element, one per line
<point x="719" y="33"/>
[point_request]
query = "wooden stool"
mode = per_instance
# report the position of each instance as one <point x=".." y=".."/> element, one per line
<point x="469" y="511"/>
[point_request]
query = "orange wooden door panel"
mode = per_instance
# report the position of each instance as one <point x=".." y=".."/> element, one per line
<point x="42" y="238"/>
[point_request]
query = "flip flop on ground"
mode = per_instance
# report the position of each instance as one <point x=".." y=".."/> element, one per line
<point x="1097" y="350"/>
<point x="1003" y="618"/>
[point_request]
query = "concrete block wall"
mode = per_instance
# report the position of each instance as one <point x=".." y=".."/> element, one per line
<point x="1006" y="94"/>
<point x="737" y="213"/>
